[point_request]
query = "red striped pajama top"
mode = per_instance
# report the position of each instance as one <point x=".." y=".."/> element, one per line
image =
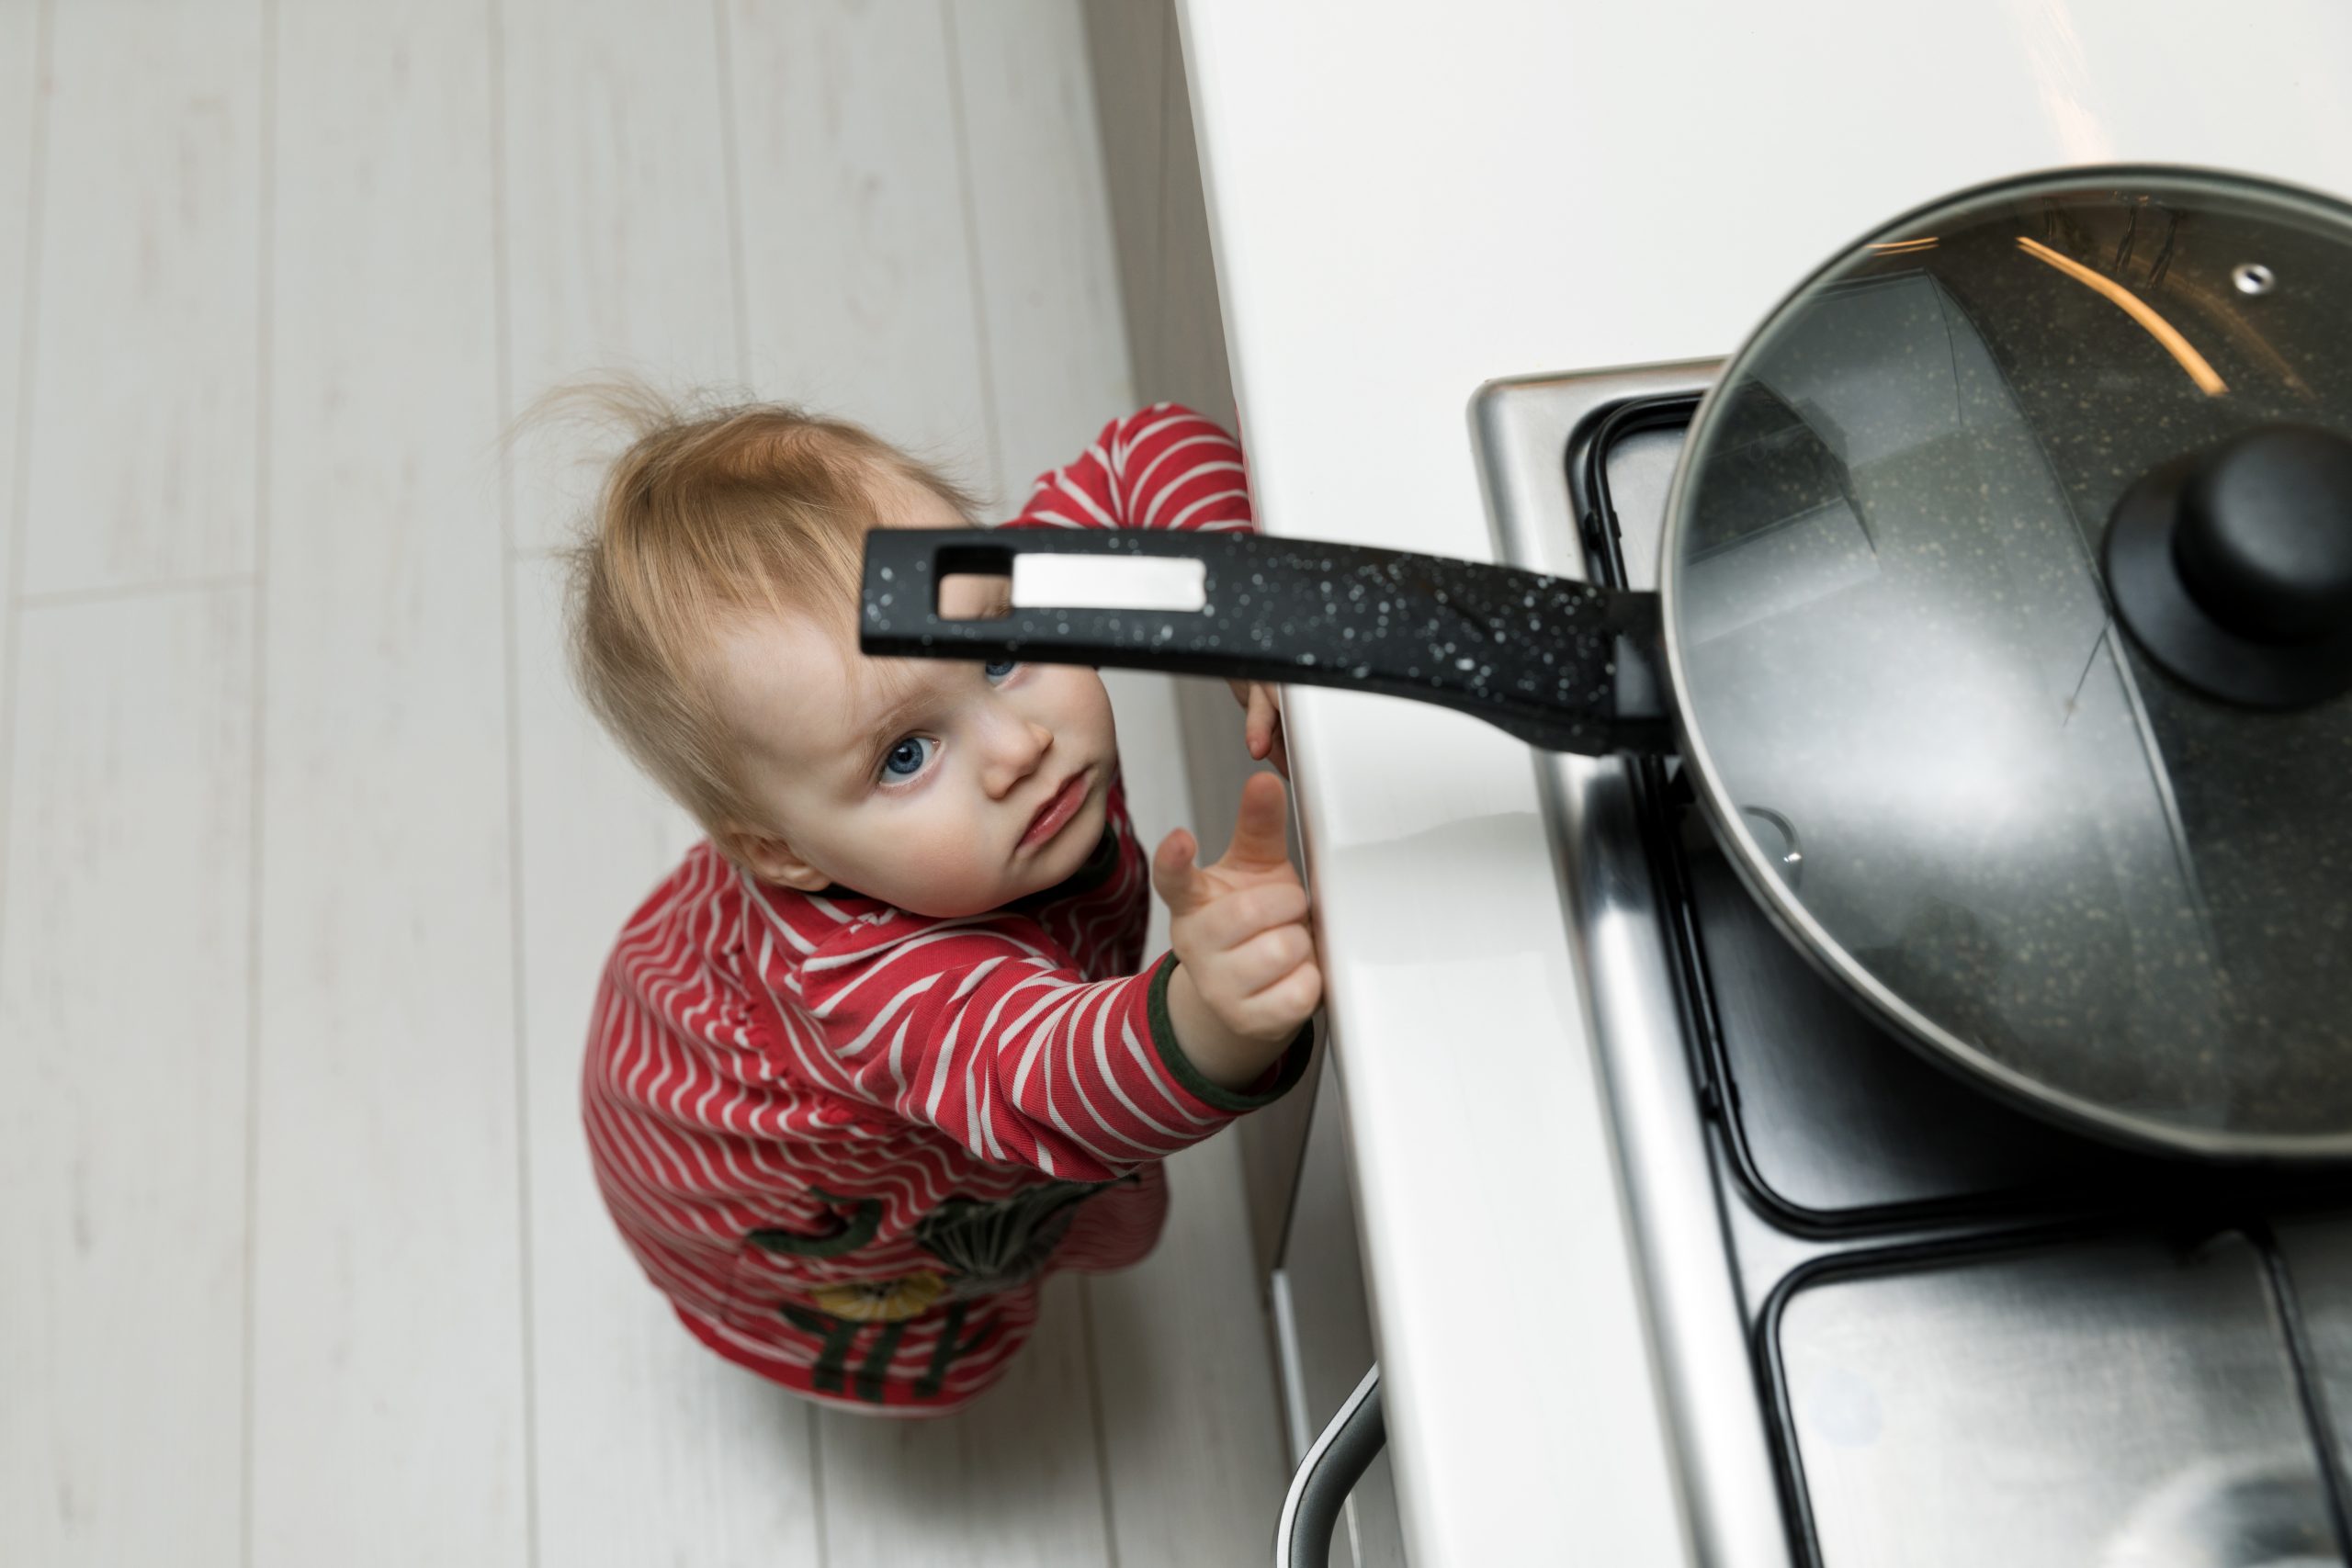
<point x="848" y="1142"/>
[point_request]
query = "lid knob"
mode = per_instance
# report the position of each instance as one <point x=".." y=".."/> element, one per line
<point x="2233" y="569"/>
<point x="2265" y="537"/>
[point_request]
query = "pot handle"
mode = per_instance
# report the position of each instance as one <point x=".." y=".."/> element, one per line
<point x="1559" y="663"/>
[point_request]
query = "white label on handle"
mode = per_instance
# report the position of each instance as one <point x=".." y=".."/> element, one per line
<point x="1050" y="581"/>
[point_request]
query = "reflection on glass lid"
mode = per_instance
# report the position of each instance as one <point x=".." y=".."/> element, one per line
<point x="2057" y="847"/>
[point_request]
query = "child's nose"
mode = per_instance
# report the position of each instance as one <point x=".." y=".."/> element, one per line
<point x="1016" y="750"/>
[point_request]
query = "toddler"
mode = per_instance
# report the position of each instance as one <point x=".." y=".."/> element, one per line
<point x="882" y="1052"/>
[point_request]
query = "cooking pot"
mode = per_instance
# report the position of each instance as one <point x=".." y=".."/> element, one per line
<point x="2007" y="569"/>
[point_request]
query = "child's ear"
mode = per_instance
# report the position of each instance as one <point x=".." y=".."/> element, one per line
<point x="771" y="859"/>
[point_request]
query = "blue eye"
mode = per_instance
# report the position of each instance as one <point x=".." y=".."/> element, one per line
<point x="998" y="668"/>
<point x="909" y="757"/>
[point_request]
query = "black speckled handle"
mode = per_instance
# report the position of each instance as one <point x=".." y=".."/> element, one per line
<point x="1561" y="664"/>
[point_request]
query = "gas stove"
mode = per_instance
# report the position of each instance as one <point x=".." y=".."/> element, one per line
<point x="1895" y="1320"/>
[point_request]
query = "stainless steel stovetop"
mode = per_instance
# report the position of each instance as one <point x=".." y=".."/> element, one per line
<point x="1894" y="1321"/>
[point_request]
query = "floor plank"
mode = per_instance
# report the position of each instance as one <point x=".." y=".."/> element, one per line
<point x="858" y="290"/>
<point x="619" y="251"/>
<point x="1127" y="45"/>
<point x="1192" y="1435"/>
<point x="22" y="127"/>
<point x="1042" y="225"/>
<point x="143" y="405"/>
<point x="650" y="1448"/>
<point x="1188" y="348"/>
<point x="23" y="137"/>
<point x="1010" y="1482"/>
<point x="389" y="1386"/>
<point x="124" y="998"/>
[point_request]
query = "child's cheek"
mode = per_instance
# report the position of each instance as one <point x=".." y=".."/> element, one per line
<point x="937" y="861"/>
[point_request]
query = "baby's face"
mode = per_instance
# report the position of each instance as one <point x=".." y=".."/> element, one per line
<point x="943" y="787"/>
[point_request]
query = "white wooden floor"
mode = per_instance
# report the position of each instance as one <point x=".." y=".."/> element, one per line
<point x="310" y="853"/>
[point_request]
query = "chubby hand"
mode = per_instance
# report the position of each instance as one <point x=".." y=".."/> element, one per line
<point x="1261" y="723"/>
<point x="1247" y="976"/>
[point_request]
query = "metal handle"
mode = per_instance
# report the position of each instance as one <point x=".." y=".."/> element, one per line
<point x="1325" y="1477"/>
<point x="1560" y="664"/>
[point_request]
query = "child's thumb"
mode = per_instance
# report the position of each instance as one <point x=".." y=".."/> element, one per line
<point x="1173" y="874"/>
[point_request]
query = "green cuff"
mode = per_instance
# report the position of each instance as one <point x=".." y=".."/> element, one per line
<point x="1286" y="1072"/>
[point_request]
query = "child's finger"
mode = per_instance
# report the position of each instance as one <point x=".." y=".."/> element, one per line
<point x="1173" y="874"/>
<point x="1290" y="1001"/>
<point x="1258" y="840"/>
<point x="1259" y="726"/>
<point x="1266" y="958"/>
<point x="1236" y="917"/>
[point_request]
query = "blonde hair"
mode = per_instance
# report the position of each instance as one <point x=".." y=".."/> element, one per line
<point x="712" y="513"/>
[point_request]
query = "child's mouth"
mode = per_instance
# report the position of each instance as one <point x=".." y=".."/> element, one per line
<point x="1055" y="814"/>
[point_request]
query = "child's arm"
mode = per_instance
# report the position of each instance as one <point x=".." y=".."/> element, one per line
<point x="1164" y="466"/>
<point x="983" y="1029"/>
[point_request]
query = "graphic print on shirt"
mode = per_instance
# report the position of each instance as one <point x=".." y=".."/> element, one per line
<point x="984" y="1244"/>
<point x="988" y="1245"/>
<point x="991" y="1247"/>
<point x="850" y="1232"/>
<point x="881" y="1301"/>
<point x="830" y="1372"/>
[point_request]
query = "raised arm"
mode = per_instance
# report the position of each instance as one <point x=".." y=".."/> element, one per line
<point x="1164" y="466"/>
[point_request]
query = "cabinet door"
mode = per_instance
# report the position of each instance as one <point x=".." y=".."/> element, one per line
<point x="1323" y="1322"/>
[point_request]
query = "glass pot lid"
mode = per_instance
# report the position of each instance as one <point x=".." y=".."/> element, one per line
<point x="2010" y="568"/>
